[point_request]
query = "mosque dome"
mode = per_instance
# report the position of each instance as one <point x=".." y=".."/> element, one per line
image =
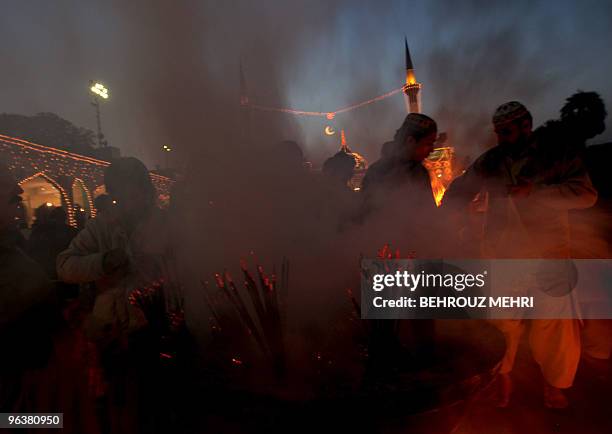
<point x="360" y="162"/>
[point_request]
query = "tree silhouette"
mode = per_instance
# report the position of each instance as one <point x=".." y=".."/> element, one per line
<point x="48" y="129"/>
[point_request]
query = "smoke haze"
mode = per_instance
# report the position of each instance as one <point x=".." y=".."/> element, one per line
<point x="172" y="67"/>
<point x="173" y="73"/>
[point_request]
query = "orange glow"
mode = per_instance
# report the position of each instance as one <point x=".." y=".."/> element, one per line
<point x="410" y="78"/>
<point x="64" y="194"/>
<point x="438" y="192"/>
<point x="439" y="164"/>
<point x="92" y="208"/>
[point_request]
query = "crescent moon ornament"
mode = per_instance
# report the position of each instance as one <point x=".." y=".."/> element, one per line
<point x="329" y="130"/>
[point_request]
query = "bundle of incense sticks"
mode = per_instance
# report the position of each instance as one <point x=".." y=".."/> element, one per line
<point x="161" y="300"/>
<point x="173" y="291"/>
<point x="165" y="320"/>
<point x="263" y="318"/>
<point x="150" y="299"/>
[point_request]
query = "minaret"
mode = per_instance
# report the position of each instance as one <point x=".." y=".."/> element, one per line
<point x="245" y="110"/>
<point x="412" y="89"/>
<point x="244" y="97"/>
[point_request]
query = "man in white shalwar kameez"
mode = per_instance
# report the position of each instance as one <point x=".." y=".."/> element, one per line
<point x="527" y="217"/>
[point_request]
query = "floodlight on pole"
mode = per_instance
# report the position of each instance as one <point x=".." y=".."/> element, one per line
<point x="99" y="91"/>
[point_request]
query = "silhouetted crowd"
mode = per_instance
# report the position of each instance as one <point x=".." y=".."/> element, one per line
<point x="93" y="320"/>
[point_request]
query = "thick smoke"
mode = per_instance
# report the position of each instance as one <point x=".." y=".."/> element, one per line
<point x="172" y="67"/>
<point x="173" y="71"/>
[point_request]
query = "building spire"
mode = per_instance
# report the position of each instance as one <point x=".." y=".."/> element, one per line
<point x="244" y="96"/>
<point x="245" y="111"/>
<point x="412" y="88"/>
<point x="410" y="77"/>
<point x="408" y="59"/>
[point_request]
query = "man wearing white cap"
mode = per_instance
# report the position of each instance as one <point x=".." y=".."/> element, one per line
<point x="526" y="205"/>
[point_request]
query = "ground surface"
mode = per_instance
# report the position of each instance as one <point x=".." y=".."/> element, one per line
<point x="590" y="411"/>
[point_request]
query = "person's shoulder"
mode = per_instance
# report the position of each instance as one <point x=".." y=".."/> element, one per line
<point x="102" y="222"/>
<point x="377" y="165"/>
<point x="376" y="172"/>
<point x="551" y="131"/>
<point x="493" y="151"/>
<point x="374" y="168"/>
<point x="487" y="158"/>
<point x="549" y="127"/>
<point x="98" y="221"/>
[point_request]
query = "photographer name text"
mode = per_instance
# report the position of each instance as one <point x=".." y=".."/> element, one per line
<point x="454" y="302"/>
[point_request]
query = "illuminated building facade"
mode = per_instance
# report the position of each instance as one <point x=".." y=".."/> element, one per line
<point x="53" y="177"/>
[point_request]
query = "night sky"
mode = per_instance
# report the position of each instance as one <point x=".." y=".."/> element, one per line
<point x="172" y="66"/>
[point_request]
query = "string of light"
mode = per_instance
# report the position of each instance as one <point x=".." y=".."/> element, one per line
<point x="65" y="154"/>
<point x="329" y="114"/>
<point x="27" y="158"/>
<point x="64" y="195"/>
<point x="92" y="208"/>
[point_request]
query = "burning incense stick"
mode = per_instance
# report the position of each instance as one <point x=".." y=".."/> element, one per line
<point x="243" y="311"/>
<point x="252" y="290"/>
<point x="266" y="324"/>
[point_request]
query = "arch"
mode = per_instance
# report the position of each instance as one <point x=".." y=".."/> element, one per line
<point x="40" y="189"/>
<point x="81" y="197"/>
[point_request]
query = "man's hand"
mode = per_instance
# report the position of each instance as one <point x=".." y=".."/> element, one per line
<point x="114" y="260"/>
<point x="521" y="190"/>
